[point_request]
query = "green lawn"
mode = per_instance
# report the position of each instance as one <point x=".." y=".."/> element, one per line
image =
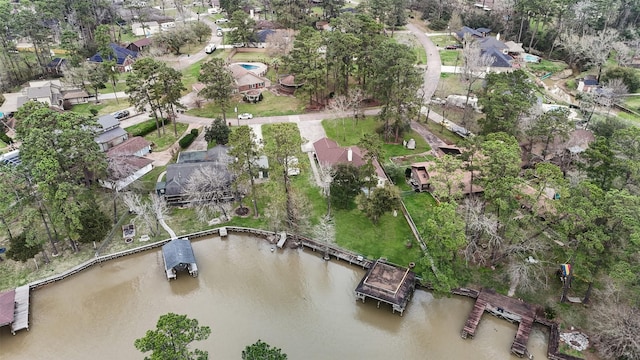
<point x="387" y="239"/>
<point x="166" y="139"/>
<point x="147" y="183"/>
<point x="120" y="86"/>
<point x="629" y="117"/>
<point x="448" y="57"/>
<point x="632" y="102"/>
<point x="417" y="204"/>
<point x="547" y="66"/>
<point x="252" y="57"/>
<point x="443" y="40"/>
<point x="346" y="132"/>
<point x="271" y="105"/>
<point x="104" y="107"/>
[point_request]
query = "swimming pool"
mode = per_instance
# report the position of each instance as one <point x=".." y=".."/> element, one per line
<point x="256" y="68"/>
<point x="249" y="66"/>
<point x="530" y="58"/>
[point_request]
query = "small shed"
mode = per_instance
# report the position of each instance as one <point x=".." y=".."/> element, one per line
<point x="178" y="256"/>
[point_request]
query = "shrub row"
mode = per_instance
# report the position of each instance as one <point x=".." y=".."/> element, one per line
<point x="187" y="140"/>
<point x="147" y="127"/>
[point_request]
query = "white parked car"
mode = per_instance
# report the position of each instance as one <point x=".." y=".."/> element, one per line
<point x="245" y="116"/>
<point x="210" y="48"/>
<point x="222" y="20"/>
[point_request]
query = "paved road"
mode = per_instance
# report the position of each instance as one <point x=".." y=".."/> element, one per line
<point x="432" y="73"/>
<point x="310" y="123"/>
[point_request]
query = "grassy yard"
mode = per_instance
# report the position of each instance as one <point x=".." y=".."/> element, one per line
<point x="387" y="239"/>
<point x="632" y="102"/>
<point x="120" y="86"/>
<point x="418" y="204"/>
<point x="443" y="40"/>
<point x="271" y="105"/>
<point x="346" y="132"/>
<point x="252" y="57"/>
<point x="104" y="107"/>
<point x="164" y="141"/>
<point x="147" y="183"/>
<point x="451" y="57"/>
<point x="547" y="66"/>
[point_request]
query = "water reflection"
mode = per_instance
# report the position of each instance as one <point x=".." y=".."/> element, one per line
<point x="290" y="299"/>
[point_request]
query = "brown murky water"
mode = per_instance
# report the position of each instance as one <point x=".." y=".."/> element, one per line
<point x="290" y="299"/>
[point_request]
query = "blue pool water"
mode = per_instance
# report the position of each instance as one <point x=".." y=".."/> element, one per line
<point x="530" y="58"/>
<point x="249" y="66"/>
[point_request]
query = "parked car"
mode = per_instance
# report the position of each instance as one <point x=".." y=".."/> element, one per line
<point x="245" y="116"/>
<point x="453" y="47"/>
<point x="121" y="114"/>
<point x="210" y="48"/>
<point x="222" y="21"/>
<point x="238" y="45"/>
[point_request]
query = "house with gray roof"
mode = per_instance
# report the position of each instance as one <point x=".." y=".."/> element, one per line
<point x="216" y="159"/>
<point x="51" y="92"/>
<point x="492" y="46"/>
<point x="110" y="133"/>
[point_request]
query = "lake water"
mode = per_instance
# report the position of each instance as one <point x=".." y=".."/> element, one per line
<point x="291" y="299"/>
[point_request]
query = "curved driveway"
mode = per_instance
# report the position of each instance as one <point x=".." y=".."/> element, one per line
<point x="432" y="73"/>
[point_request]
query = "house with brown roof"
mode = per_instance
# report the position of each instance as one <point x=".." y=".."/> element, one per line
<point x="126" y="159"/>
<point x="423" y="173"/>
<point x="135" y="146"/>
<point x="247" y="80"/>
<point x="328" y="153"/>
<point x="140" y="45"/>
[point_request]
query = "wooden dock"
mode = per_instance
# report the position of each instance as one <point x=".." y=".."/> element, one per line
<point x="508" y="308"/>
<point x="21" y="313"/>
<point x="338" y="253"/>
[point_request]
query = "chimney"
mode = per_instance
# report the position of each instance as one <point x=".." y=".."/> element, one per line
<point x="349" y="155"/>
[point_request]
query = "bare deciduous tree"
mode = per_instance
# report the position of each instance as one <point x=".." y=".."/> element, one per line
<point x="475" y="65"/>
<point x="326" y="174"/>
<point x="119" y="170"/>
<point x="482" y="232"/>
<point x="616" y="325"/>
<point x="143" y="209"/>
<point x="526" y="274"/>
<point x="280" y="43"/>
<point x="209" y="191"/>
<point x="325" y="232"/>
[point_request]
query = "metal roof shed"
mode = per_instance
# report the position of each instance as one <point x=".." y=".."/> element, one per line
<point x="178" y="255"/>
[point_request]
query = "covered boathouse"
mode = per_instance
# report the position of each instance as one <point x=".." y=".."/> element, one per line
<point x="389" y="284"/>
<point x="178" y="256"/>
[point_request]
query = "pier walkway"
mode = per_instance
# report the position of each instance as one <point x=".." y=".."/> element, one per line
<point x="21" y="312"/>
<point x="513" y="310"/>
<point x="508" y="308"/>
